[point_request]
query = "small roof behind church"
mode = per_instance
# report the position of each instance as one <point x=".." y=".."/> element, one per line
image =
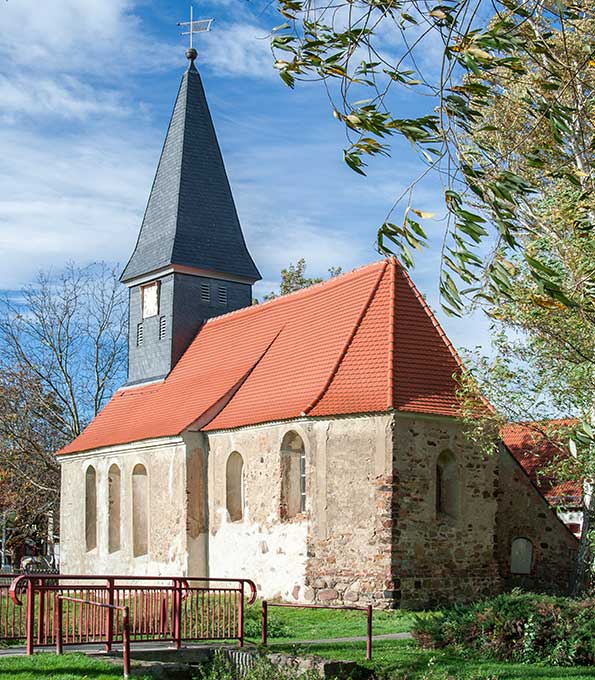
<point x="191" y="219"/>
<point x="536" y="447"/>
<point x="362" y="342"/>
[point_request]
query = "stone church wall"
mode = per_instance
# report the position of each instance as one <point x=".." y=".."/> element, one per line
<point x="524" y="513"/>
<point x="258" y="546"/>
<point x="438" y="558"/>
<point x="337" y="550"/>
<point x="164" y="461"/>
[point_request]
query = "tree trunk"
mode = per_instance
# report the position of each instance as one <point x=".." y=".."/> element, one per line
<point x="584" y="558"/>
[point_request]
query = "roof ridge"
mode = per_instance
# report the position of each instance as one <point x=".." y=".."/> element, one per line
<point x="349" y="340"/>
<point x="302" y="292"/>
<point x="183" y="84"/>
<point x="390" y="402"/>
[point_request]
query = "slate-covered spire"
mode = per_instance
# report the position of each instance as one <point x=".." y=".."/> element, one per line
<point x="191" y="219"/>
<point x="190" y="262"/>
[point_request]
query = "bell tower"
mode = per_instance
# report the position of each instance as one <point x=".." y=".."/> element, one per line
<point x="190" y="261"/>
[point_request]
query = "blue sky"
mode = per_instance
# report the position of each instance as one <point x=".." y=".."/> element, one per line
<point x="86" y="91"/>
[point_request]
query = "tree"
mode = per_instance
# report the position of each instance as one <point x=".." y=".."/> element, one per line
<point x="294" y="278"/>
<point x="367" y="54"/>
<point x="62" y="353"/>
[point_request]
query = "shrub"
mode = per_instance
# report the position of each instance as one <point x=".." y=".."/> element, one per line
<point x="516" y="626"/>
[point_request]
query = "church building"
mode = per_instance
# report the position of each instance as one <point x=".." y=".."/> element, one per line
<point x="310" y="443"/>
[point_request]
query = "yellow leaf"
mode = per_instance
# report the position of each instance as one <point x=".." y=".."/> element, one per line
<point x="477" y="52"/>
<point x="437" y="14"/>
<point x="423" y="215"/>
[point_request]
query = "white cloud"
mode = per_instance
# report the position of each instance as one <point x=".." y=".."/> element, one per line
<point x="46" y="97"/>
<point x="238" y="49"/>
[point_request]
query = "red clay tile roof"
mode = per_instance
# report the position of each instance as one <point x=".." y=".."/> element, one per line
<point x="535" y="448"/>
<point x="362" y="342"/>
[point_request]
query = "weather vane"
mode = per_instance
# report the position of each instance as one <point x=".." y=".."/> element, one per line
<point x="199" y="26"/>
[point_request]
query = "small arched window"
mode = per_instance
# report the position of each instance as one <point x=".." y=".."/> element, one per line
<point x="293" y="476"/>
<point x="447" y="485"/>
<point x="521" y="556"/>
<point x="140" y="511"/>
<point x="235" y="487"/>
<point x="114" y="505"/>
<point x="91" y="508"/>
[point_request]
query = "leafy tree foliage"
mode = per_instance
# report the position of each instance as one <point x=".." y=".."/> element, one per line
<point x="368" y="54"/>
<point x="294" y="278"/>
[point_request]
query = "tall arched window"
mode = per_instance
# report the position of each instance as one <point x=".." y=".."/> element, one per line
<point x="140" y="511"/>
<point x="521" y="556"/>
<point x="235" y="487"/>
<point x="447" y="485"/>
<point x="114" y="513"/>
<point x="293" y="476"/>
<point x="91" y="508"/>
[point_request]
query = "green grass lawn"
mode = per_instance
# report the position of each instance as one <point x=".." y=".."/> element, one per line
<point x="65" y="667"/>
<point x="319" y="624"/>
<point x="404" y="660"/>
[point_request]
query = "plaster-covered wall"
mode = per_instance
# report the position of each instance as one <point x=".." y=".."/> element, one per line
<point x="338" y="548"/>
<point x="438" y="558"/>
<point x="165" y="462"/>
<point x="524" y="513"/>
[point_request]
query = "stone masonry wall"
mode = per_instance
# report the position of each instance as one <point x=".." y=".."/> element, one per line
<point x="339" y="549"/>
<point x="438" y="559"/>
<point x="524" y="513"/>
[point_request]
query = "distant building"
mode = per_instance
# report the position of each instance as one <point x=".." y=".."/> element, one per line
<point x="535" y="448"/>
<point x="310" y="443"/>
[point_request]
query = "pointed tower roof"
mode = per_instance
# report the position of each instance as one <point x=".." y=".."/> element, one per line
<point x="191" y="220"/>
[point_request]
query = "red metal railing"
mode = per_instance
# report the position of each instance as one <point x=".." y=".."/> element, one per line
<point x="368" y="610"/>
<point x="12" y="618"/>
<point x="160" y="608"/>
<point x="59" y="620"/>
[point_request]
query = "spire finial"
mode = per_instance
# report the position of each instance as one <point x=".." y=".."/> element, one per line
<point x="199" y="26"/>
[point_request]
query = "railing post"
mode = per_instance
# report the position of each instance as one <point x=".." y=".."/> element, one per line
<point x="40" y="612"/>
<point x="58" y="622"/>
<point x="177" y="613"/>
<point x="369" y="636"/>
<point x="241" y="616"/>
<point x="264" y="621"/>
<point x="110" y="615"/>
<point x="30" y="621"/>
<point x="126" y="641"/>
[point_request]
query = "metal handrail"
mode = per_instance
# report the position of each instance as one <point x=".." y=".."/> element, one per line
<point x="180" y="589"/>
<point x="114" y="607"/>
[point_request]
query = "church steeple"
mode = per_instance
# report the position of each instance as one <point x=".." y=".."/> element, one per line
<point x="190" y="261"/>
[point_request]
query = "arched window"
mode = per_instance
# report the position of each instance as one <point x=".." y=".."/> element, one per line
<point x="114" y="491"/>
<point x="521" y="556"/>
<point x="91" y="508"/>
<point x="447" y="485"/>
<point x="293" y="476"/>
<point x="140" y="511"/>
<point x="235" y="487"/>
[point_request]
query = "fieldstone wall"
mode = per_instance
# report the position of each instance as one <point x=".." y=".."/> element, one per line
<point x="524" y="513"/>
<point x="438" y="559"/>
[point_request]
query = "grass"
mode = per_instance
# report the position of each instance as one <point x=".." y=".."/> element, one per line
<point x="404" y="660"/>
<point x="319" y="624"/>
<point x="65" y="667"/>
